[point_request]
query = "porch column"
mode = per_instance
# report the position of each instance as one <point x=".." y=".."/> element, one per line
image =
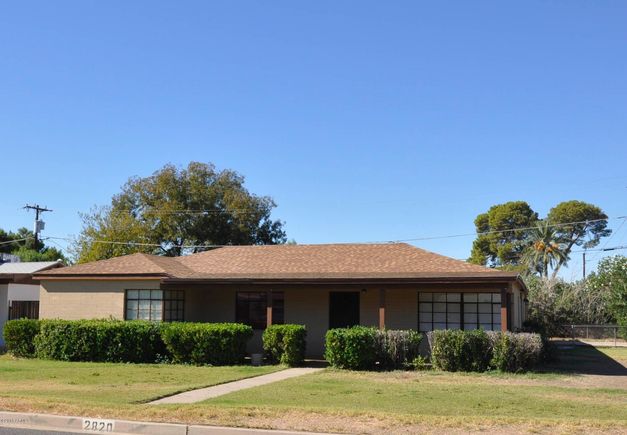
<point x="504" y="308"/>
<point x="382" y="309"/>
<point x="269" y="308"/>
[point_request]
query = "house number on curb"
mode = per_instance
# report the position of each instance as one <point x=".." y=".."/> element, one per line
<point x="97" y="425"/>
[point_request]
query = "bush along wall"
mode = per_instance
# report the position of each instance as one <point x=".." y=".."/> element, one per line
<point x="478" y="351"/>
<point x="19" y="337"/>
<point x="515" y="352"/>
<point x="364" y="348"/>
<point x="285" y="344"/>
<point x="133" y="341"/>
<point x="207" y="343"/>
<point x="456" y="350"/>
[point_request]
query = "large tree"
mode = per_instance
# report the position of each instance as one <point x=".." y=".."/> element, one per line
<point x="195" y="206"/>
<point x="610" y="279"/>
<point x="502" y="234"/>
<point x="545" y="250"/>
<point x="22" y="244"/>
<point x="508" y="235"/>
<point x="578" y="223"/>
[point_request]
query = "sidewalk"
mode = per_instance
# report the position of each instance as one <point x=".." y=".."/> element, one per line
<point x="90" y="425"/>
<point x="230" y="387"/>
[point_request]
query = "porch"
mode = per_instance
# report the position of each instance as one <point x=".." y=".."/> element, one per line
<point x="321" y="307"/>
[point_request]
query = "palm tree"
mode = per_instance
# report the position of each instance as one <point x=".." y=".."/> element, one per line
<point x="545" y="250"/>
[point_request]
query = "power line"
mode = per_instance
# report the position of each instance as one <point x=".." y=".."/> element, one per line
<point x="116" y="242"/>
<point x="614" y="248"/>
<point x="16" y="240"/>
<point x="564" y="224"/>
<point x="186" y="212"/>
<point x="156" y="245"/>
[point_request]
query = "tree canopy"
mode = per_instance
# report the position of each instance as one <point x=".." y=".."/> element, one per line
<point x="196" y="206"/>
<point x="591" y="224"/>
<point x="500" y="241"/>
<point x="511" y="235"/>
<point x="610" y="279"/>
<point x="23" y="245"/>
<point x="545" y="251"/>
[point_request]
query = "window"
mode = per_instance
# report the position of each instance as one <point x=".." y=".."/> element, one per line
<point x="155" y="305"/>
<point x="173" y="305"/>
<point x="459" y="311"/>
<point x="482" y="310"/>
<point x="251" y="308"/>
<point x="23" y="309"/>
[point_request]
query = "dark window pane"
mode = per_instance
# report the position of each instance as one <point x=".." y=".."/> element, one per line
<point x="155" y="305"/>
<point x="251" y="308"/>
<point x="278" y="308"/>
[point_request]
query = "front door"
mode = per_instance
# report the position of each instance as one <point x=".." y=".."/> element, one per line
<point x="343" y="309"/>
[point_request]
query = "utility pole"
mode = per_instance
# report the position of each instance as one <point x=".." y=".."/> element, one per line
<point x="584" y="264"/>
<point x="39" y="225"/>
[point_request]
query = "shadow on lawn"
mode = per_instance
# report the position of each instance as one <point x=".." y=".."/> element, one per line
<point x="580" y="358"/>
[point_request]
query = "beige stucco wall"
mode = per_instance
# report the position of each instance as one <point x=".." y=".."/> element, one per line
<point x="86" y="299"/>
<point x="518" y="307"/>
<point x="307" y="305"/>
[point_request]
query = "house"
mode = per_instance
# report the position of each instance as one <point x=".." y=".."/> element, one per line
<point x="19" y="294"/>
<point x="393" y="285"/>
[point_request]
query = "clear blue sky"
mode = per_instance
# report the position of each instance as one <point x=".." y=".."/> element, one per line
<point x="365" y="121"/>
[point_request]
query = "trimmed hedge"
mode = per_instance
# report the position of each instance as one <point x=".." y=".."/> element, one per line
<point x="397" y="349"/>
<point x="136" y="341"/>
<point x="285" y="344"/>
<point x="207" y="343"/>
<point x="456" y="350"/>
<point x="19" y="337"/>
<point x="478" y="351"/>
<point x="364" y="348"/>
<point x="516" y="352"/>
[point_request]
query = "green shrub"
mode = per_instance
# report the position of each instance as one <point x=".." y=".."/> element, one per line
<point x="285" y="344"/>
<point x="133" y="341"/>
<point x="397" y="349"/>
<point x="455" y="350"/>
<point x="207" y="343"/>
<point x="19" y="337"/>
<point x="363" y="348"/>
<point x="351" y="348"/>
<point x="477" y="351"/>
<point x="420" y="363"/>
<point x="515" y="352"/>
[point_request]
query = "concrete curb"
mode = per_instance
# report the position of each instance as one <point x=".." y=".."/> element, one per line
<point x="77" y="424"/>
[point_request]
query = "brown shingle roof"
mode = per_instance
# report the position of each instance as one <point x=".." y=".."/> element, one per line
<point x="134" y="264"/>
<point x="339" y="261"/>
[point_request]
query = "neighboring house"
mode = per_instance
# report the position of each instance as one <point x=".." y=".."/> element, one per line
<point x="19" y="294"/>
<point x="321" y="286"/>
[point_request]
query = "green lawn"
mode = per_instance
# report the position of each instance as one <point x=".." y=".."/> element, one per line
<point x="414" y="396"/>
<point x="108" y="384"/>
<point x="586" y="391"/>
<point x="570" y="394"/>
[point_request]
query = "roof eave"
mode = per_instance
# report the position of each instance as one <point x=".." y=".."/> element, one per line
<point x="345" y="280"/>
<point x="100" y="276"/>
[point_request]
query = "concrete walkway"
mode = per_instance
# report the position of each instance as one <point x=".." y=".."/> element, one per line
<point x="230" y="387"/>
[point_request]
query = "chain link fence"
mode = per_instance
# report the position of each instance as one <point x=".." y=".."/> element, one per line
<point x="605" y="333"/>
